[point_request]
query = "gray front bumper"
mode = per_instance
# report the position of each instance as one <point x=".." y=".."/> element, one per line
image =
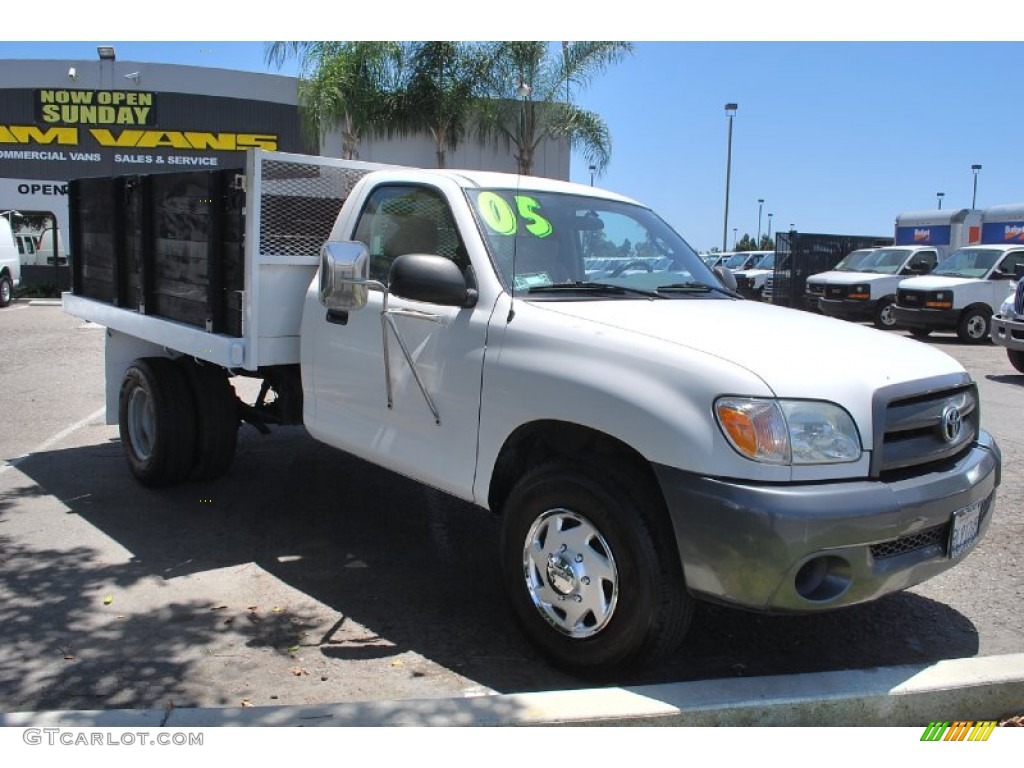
<point x="1008" y="333"/>
<point x="745" y="544"/>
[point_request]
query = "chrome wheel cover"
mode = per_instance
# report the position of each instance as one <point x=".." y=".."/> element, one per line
<point x="570" y="573"/>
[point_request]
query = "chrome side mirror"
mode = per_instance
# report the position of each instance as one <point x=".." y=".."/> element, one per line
<point x="725" y="277"/>
<point x="344" y="275"/>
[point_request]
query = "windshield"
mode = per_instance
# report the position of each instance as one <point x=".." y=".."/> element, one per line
<point x="768" y="262"/>
<point x="743" y="260"/>
<point x="559" y="246"/>
<point x="968" y="262"/>
<point x="884" y="261"/>
<point x="853" y="260"/>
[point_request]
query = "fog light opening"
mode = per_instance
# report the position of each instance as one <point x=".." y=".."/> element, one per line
<point x="821" y="579"/>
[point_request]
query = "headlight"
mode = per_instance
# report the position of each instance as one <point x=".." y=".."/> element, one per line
<point x="939" y="300"/>
<point x="1006" y="308"/>
<point x="860" y="292"/>
<point x="788" y="431"/>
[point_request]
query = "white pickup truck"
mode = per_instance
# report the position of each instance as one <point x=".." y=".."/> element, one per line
<point x="641" y="443"/>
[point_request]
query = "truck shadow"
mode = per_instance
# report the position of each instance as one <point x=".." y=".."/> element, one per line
<point x="387" y="565"/>
<point x="1007" y="378"/>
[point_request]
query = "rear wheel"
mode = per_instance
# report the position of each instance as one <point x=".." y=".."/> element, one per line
<point x="156" y="419"/>
<point x="973" y="327"/>
<point x="1016" y="359"/>
<point x="6" y="290"/>
<point x="216" y="419"/>
<point x="589" y="562"/>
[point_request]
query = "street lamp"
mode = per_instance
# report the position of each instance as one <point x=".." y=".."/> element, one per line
<point x="770" y="225"/>
<point x="734" y="238"/>
<point x="940" y="195"/>
<point x="760" y="205"/>
<point x="730" y="111"/>
<point x="974" y="199"/>
<point x="592" y="169"/>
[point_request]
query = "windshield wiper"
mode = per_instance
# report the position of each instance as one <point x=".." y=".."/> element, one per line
<point x="604" y="289"/>
<point x="693" y="287"/>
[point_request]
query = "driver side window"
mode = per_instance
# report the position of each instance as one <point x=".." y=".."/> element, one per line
<point x="397" y="220"/>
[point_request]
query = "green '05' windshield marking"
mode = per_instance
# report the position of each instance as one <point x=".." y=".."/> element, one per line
<point x="499" y="216"/>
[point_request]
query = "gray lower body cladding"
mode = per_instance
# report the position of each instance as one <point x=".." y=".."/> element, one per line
<point x="811" y="547"/>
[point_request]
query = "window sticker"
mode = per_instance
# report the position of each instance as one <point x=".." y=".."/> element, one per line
<point x="524" y="282"/>
<point x="499" y="216"/>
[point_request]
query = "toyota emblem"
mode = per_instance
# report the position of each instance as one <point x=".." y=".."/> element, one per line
<point x="952" y="422"/>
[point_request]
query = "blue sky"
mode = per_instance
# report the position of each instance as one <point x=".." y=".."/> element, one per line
<point x="835" y="136"/>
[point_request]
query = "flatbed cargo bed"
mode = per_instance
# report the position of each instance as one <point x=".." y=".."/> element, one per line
<point x="211" y="264"/>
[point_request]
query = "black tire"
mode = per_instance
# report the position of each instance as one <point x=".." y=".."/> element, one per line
<point x="1016" y="359"/>
<point x="633" y="604"/>
<point x="6" y="290"/>
<point x="920" y="333"/>
<point x="156" y="418"/>
<point x="216" y="419"/>
<point x="885" y="318"/>
<point x="974" y="325"/>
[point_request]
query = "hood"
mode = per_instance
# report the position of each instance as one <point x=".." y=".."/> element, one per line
<point x="853" y="278"/>
<point x="795" y="353"/>
<point x="937" y="282"/>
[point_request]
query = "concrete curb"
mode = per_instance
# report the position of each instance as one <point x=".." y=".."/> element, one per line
<point x="45" y="303"/>
<point x="979" y="688"/>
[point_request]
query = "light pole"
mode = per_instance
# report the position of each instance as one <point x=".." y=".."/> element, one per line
<point x="730" y="111"/>
<point x="734" y="238"/>
<point x="770" y="226"/>
<point x="760" y="205"/>
<point x="940" y="195"/>
<point x="974" y="198"/>
<point x="522" y="91"/>
<point x="592" y="169"/>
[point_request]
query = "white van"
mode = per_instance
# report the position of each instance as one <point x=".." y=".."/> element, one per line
<point x="10" y="264"/>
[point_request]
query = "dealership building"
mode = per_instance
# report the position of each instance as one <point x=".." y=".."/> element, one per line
<point x="61" y="120"/>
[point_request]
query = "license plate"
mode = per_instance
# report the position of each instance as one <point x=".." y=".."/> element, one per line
<point x="966" y="523"/>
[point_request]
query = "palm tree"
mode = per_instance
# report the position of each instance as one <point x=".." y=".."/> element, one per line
<point x="530" y="90"/>
<point x="349" y="85"/>
<point x="445" y="79"/>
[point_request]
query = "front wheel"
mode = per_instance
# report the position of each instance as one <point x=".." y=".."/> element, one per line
<point x="589" y="563"/>
<point x="1016" y="359"/>
<point x="885" y="318"/>
<point x="973" y="327"/>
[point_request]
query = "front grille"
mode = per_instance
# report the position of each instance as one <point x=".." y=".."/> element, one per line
<point x="816" y="288"/>
<point x="905" y="298"/>
<point x="937" y="535"/>
<point x="835" y="291"/>
<point x="920" y="430"/>
<point x="1018" y="300"/>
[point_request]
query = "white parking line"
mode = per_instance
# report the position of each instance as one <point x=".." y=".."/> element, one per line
<point x="54" y="439"/>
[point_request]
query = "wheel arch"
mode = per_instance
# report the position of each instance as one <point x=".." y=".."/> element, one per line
<point x="543" y="441"/>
